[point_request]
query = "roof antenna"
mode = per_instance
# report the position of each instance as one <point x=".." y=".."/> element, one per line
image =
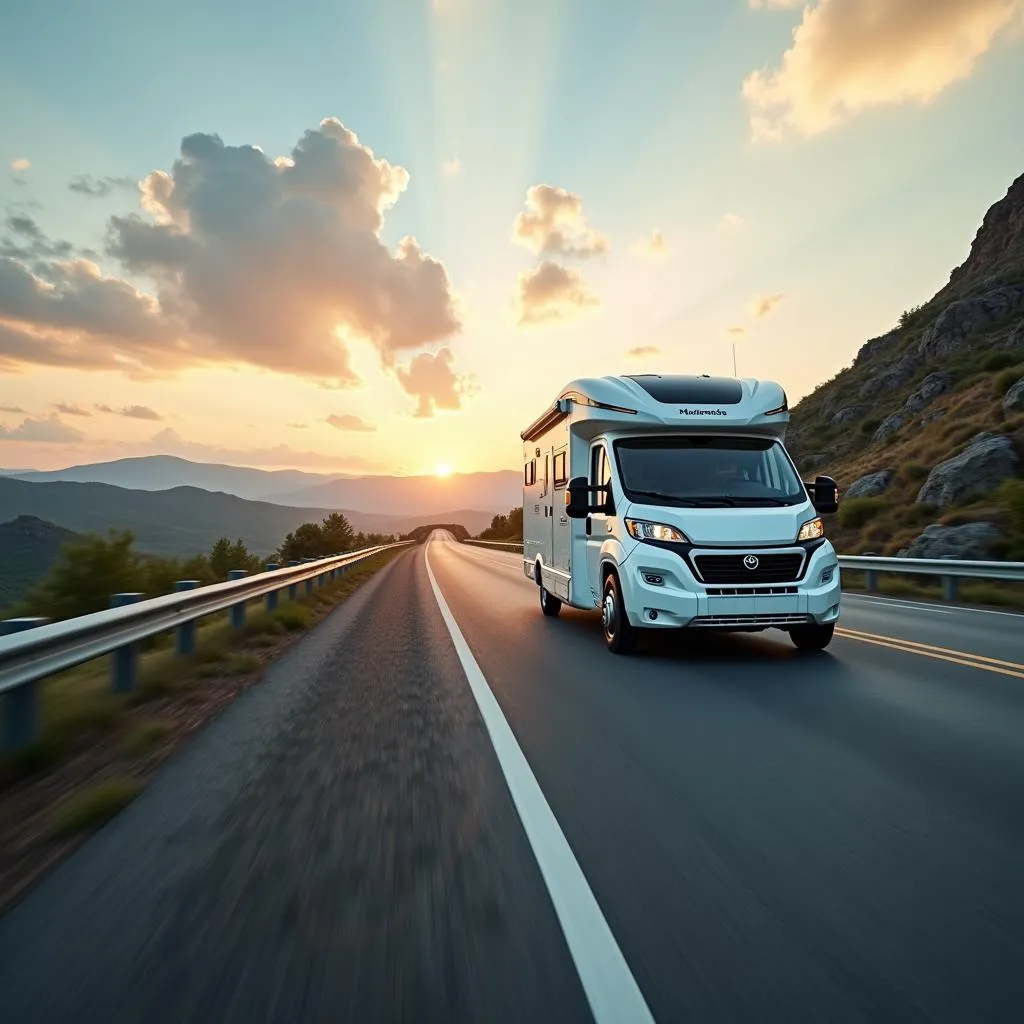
<point x="734" y="373"/>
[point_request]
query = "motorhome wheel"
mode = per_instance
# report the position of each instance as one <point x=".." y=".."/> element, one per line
<point x="549" y="605"/>
<point x="618" y="633"/>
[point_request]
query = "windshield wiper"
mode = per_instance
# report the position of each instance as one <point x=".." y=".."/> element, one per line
<point x="734" y="501"/>
<point x="658" y="496"/>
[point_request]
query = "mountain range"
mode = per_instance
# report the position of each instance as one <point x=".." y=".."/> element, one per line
<point x="387" y="495"/>
<point x="187" y="520"/>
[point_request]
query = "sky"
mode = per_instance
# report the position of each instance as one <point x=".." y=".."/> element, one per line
<point x="380" y="236"/>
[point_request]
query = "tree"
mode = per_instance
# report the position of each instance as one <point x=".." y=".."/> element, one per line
<point x="505" y="527"/>
<point x="225" y="556"/>
<point x="89" y="571"/>
<point x="306" y="542"/>
<point x="337" y="534"/>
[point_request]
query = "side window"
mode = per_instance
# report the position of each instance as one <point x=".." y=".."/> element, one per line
<point x="530" y="473"/>
<point x="559" y="467"/>
<point x="601" y="474"/>
<point x="547" y="474"/>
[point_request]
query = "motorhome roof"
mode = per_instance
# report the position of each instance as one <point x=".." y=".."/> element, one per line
<point x="677" y="401"/>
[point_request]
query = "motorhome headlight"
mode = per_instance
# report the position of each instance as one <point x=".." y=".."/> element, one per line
<point x="642" y="530"/>
<point x="811" y="530"/>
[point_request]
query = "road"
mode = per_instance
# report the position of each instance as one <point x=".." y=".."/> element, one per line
<point x="476" y="813"/>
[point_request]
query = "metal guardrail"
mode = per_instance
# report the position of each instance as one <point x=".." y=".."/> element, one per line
<point x="951" y="571"/>
<point x="33" y="649"/>
<point x="514" y="545"/>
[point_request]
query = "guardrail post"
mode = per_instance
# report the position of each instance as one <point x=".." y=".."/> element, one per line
<point x="238" y="610"/>
<point x="21" y="705"/>
<point x="272" y="595"/>
<point x="309" y="582"/>
<point x="951" y="588"/>
<point x="871" y="582"/>
<point x="124" y="661"/>
<point x="186" y="641"/>
<point x="293" y="588"/>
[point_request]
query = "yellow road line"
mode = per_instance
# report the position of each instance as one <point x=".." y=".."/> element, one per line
<point x="1005" y="668"/>
<point x="845" y="631"/>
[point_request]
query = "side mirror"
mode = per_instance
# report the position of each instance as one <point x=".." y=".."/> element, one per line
<point x="825" y="495"/>
<point x="577" y="498"/>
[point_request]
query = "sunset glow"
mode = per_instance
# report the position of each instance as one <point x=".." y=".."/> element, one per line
<point x="339" y="275"/>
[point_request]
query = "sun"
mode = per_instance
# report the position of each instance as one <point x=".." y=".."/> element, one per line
<point x="443" y="469"/>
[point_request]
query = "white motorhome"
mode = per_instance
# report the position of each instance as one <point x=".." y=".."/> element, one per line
<point x="671" y="501"/>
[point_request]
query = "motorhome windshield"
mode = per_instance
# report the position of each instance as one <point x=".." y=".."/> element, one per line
<point x="707" y="472"/>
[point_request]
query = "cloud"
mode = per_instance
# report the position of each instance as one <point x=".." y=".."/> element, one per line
<point x="31" y="242"/>
<point x="731" y="222"/>
<point x="551" y="292"/>
<point x="88" y="185"/>
<point x="21" y="164"/>
<point x="350" y="422"/>
<point x="643" y="350"/>
<point x="764" y="304"/>
<point x="735" y="331"/>
<point x="50" y="430"/>
<point x="12" y="408"/>
<point x="654" y="247"/>
<point x="132" y="412"/>
<point x="71" y="410"/>
<point x="169" y="442"/>
<point x="554" y="225"/>
<point x="451" y="167"/>
<point x="849" y="55"/>
<point x="276" y="264"/>
<point x="432" y="381"/>
<point x="298" y="426"/>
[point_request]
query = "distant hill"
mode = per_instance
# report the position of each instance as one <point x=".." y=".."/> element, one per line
<point x="186" y="520"/>
<point x="162" y="472"/>
<point x="414" y="495"/>
<point x="406" y="496"/>
<point x="28" y="547"/>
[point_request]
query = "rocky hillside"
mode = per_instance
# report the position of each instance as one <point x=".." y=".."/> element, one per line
<point x="925" y="431"/>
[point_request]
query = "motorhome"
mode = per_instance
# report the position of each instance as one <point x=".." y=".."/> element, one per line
<point x="670" y="501"/>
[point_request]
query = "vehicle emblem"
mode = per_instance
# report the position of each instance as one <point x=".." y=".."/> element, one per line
<point x="751" y="562"/>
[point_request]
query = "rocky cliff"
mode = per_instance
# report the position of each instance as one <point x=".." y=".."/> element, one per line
<point x="925" y="431"/>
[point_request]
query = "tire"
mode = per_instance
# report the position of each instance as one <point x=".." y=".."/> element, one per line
<point x="812" y="638"/>
<point x="619" y="635"/>
<point x="549" y="604"/>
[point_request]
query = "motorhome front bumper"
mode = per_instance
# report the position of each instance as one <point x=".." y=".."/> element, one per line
<point x="660" y="590"/>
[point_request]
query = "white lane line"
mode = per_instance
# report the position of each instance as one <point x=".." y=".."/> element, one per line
<point x="611" y="989"/>
<point x="925" y="607"/>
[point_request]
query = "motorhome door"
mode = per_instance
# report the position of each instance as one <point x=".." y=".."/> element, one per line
<point x="559" y="520"/>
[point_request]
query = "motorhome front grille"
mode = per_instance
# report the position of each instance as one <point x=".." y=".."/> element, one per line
<point x="750" y="591"/>
<point x="745" y="621"/>
<point x="748" y="568"/>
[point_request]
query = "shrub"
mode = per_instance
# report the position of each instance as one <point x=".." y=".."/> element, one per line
<point x="855" y="512"/>
<point x="998" y="361"/>
<point x="1004" y="381"/>
<point x="91" y="807"/>
<point x="869" y="426"/>
<point x="914" y="471"/>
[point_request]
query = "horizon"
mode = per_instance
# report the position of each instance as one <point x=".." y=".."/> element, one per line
<point x="325" y="476"/>
<point x="367" y="270"/>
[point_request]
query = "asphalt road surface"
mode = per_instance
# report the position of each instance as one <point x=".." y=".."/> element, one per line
<point x="460" y="810"/>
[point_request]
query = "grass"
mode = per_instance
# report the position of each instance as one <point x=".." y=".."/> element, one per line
<point x="91" y="807"/>
<point x="78" y="708"/>
<point x="144" y="737"/>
